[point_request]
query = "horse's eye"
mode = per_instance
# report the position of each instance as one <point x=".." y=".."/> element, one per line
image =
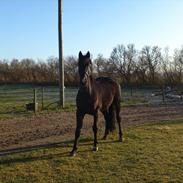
<point x="88" y="63"/>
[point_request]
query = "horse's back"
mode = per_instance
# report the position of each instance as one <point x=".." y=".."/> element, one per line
<point x="105" y="79"/>
<point x="108" y="83"/>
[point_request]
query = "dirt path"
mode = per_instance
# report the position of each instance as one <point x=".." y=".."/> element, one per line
<point x="56" y="127"/>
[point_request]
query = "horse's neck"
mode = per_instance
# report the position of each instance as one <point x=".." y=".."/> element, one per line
<point x="92" y="85"/>
<point x="90" y="89"/>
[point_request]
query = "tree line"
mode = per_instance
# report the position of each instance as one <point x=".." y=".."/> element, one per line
<point x="151" y="65"/>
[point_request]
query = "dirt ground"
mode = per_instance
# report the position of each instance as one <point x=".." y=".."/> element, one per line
<point x="55" y="127"/>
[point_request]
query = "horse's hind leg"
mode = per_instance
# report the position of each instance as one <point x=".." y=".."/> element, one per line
<point x="106" y="117"/>
<point x="95" y="129"/>
<point x="110" y="119"/>
<point x="118" y="117"/>
<point x="79" y="117"/>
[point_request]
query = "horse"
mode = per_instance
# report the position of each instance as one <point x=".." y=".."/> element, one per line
<point x="94" y="95"/>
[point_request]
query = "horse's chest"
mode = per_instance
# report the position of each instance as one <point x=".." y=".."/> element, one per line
<point x="85" y="103"/>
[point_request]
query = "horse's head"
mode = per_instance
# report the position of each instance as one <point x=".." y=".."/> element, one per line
<point x="85" y="67"/>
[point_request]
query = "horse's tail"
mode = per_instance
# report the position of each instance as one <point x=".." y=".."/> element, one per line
<point x="112" y="110"/>
<point x="120" y="95"/>
<point x="112" y="118"/>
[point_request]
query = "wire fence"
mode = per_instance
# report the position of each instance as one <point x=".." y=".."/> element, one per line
<point x="14" y="98"/>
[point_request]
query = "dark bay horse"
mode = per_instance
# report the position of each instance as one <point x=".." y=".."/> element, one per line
<point x="94" y="95"/>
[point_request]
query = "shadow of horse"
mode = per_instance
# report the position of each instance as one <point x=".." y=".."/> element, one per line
<point x="64" y="144"/>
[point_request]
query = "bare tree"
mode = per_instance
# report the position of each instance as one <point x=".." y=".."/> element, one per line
<point x="53" y="65"/>
<point x="4" y="71"/>
<point x="141" y="70"/>
<point x="150" y="65"/>
<point x="101" y="66"/>
<point x="178" y="65"/>
<point x="122" y="61"/>
<point x="71" y="71"/>
<point x="151" y="56"/>
<point x="167" y="68"/>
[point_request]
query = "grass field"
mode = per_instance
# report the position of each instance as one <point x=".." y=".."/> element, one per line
<point x="149" y="153"/>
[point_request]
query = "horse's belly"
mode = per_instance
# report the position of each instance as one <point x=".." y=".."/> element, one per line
<point x="104" y="104"/>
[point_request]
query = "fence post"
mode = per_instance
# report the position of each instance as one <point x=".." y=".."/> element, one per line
<point x="42" y="97"/>
<point x="131" y="91"/>
<point x="163" y="94"/>
<point x="35" y="101"/>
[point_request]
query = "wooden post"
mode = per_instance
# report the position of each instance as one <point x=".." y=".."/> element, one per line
<point x="35" y="101"/>
<point x="131" y="91"/>
<point x="61" y="59"/>
<point x="42" y="98"/>
<point x="163" y="94"/>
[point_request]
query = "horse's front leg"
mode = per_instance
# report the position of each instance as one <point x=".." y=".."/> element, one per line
<point x="95" y="129"/>
<point x="79" y="117"/>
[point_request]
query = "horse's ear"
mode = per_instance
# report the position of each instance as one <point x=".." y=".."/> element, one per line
<point x="88" y="54"/>
<point x="80" y="55"/>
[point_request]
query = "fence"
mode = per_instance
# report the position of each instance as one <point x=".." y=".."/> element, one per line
<point x="13" y="98"/>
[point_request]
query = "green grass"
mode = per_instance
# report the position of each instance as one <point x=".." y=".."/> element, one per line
<point x="134" y="101"/>
<point x="18" y="109"/>
<point x="150" y="153"/>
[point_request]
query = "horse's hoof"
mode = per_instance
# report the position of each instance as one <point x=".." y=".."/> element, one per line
<point x="104" y="138"/>
<point x="95" y="149"/>
<point x="73" y="153"/>
<point x="120" y="139"/>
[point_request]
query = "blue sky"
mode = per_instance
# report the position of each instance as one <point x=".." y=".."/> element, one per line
<point x="28" y="28"/>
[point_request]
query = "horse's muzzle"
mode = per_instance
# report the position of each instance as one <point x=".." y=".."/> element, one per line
<point x="84" y="81"/>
